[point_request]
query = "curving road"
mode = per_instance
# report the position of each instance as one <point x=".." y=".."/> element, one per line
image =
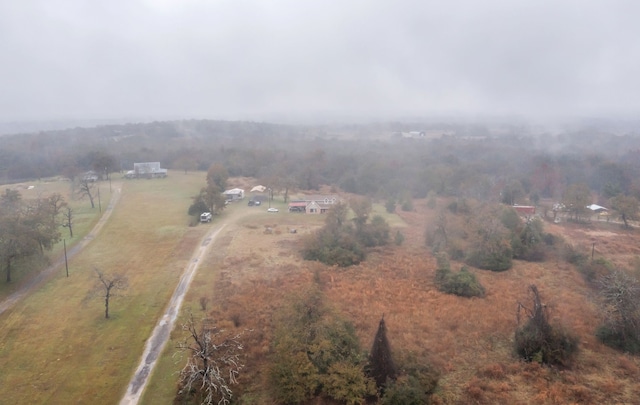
<point x="37" y="281"/>
<point x="165" y="325"/>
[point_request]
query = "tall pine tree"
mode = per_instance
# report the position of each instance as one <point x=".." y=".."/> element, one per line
<point x="383" y="369"/>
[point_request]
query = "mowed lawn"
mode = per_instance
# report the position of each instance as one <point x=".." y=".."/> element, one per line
<point x="56" y="347"/>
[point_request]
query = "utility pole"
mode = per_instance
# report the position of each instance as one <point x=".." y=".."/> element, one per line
<point x="99" y="204"/>
<point x="66" y="263"/>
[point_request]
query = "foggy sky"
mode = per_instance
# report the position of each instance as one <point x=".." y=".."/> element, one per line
<point x="248" y="59"/>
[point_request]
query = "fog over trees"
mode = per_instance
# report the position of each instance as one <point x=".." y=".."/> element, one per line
<point x="503" y="162"/>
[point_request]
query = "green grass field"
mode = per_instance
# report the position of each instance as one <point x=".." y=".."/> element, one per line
<point x="55" y="345"/>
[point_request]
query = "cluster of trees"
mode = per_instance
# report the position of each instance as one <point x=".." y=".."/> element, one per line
<point x="27" y="227"/>
<point x="342" y="242"/>
<point x="210" y="198"/>
<point x="487" y="236"/>
<point x="316" y="353"/>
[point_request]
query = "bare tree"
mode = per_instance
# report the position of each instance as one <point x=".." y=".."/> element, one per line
<point x="86" y="189"/>
<point x="627" y="207"/>
<point x="108" y="286"/>
<point x="537" y="340"/>
<point x="214" y="362"/>
<point x="56" y="202"/>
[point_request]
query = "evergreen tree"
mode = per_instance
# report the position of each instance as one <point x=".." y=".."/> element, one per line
<point x="382" y="366"/>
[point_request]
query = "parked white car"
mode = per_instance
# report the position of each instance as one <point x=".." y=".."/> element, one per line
<point x="205" y="217"/>
<point x="272" y="209"/>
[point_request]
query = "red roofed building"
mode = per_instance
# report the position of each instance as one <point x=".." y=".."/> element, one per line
<point x="525" y="210"/>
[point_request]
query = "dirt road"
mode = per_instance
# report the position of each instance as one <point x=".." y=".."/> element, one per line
<point x="34" y="283"/>
<point x="165" y="325"/>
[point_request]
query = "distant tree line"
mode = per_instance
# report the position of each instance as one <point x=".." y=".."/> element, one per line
<point x="516" y="168"/>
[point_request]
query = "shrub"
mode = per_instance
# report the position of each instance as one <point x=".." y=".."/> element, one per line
<point x="390" y="205"/>
<point x="618" y="340"/>
<point x="621" y="328"/>
<point x="405" y="391"/>
<point x="549" y="239"/>
<point x="498" y="260"/>
<point x="539" y="341"/>
<point x="510" y="219"/>
<point x="399" y="238"/>
<point x="375" y="233"/>
<point x="327" y="247"/>
<point x="529" y="243"/>
<point x="347" y="383"/>
<point x="462" y="283"/>
<point x="571" y="255"/>
<point x="198" y="207"/>
<point x="595" y="269"/>
<point x="414" y="385"/>
<point x="553" y="346"/>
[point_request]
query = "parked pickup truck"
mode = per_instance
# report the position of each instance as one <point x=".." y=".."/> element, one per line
<point x="205" y="217"/>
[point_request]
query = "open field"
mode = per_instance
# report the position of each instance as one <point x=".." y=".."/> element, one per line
<point x="56" y="345"/>
<point x="250" y="273"/>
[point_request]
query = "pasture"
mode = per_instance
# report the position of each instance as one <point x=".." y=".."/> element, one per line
<point x="56" y="347"/>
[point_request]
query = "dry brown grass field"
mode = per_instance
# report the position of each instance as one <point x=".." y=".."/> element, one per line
<point x="250" y="273"/>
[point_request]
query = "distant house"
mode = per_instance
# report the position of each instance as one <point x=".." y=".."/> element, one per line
<point x="90" y="176"/>
<point x="147" y="170"/>
<point x="313" y="204"/>
<point x="235" y="194"/>
<point x="525" y="210"/>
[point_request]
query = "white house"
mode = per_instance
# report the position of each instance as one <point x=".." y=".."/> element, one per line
<point x="146" y="170"/>
<point x="235" y="194"/>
